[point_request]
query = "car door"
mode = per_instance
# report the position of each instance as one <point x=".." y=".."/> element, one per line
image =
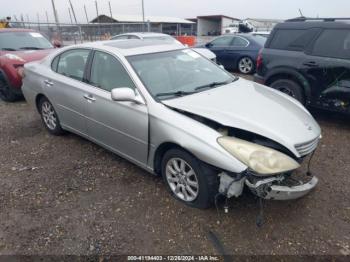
<point x="65" y="88"/>
<point x="237" y="49"/>
<point x="219" y="47"/>
<point x="327" y="65"/>
<point x="119" y="126"/>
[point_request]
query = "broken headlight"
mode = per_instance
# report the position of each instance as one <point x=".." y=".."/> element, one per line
<point x="260" y="159"/>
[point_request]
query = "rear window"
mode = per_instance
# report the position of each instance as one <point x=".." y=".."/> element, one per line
<point x="333" y="43"/>
<point x="292" y="40"/>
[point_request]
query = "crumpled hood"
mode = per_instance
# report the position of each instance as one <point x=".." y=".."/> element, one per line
<point x="26" y="56"/>
<point x="255" y="108"/>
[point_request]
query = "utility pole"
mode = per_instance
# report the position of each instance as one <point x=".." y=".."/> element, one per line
<point x="86" y="15"/>
<point x="143" y="15"/>
<point x="70" y="16"/>
<point x="56" y="18"/>
<point x="110" y="9"/>
<point x="301" y="13"/>
<point x="55" y="12"/>
<point x="72" y="8"/>
<point x="98" y="19"/>
<point x="76" y="21"/>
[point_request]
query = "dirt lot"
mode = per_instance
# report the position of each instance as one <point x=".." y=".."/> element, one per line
<point x="65" y="195"/>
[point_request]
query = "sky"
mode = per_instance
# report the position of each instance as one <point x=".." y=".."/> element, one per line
<point x="277" y="9"/>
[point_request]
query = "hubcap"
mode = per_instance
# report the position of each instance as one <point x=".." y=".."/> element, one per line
<point x="245" y="65"/>
<point x="182" y="179"/>
<point x="49" y="115"/>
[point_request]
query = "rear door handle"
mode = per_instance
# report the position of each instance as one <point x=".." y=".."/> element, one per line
<point x="90" y="98"/>
<point x="310" y="64"/>
<point x="48" y="82"/>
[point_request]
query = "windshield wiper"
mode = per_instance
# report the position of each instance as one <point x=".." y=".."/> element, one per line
<point x="8" y="49"/>
<point x="214" y="84"/>
<point x="176" y="93"/>
<point x="31" y="48"/>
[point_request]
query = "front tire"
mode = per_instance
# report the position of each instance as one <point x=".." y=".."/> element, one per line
<point x="246" y="65"/>
<point x="188" y="179"/>
<point x="49" y="117"/>
<point x="291" y="88"/>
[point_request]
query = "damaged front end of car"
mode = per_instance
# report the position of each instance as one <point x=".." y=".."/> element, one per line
<point x="273" y="172"/>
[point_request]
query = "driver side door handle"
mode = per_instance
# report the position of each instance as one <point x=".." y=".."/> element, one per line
<point x="90" y="98"/>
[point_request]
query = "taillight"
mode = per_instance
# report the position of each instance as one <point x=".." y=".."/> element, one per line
<point x="259" y="60"/>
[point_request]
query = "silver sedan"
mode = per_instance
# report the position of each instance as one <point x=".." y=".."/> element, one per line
<point x="176" y="114"/>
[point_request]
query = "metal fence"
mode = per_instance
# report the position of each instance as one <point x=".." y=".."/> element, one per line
<point x="78" y="33"/>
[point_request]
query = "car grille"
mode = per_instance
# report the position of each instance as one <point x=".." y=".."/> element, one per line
<point x="308" y="147"/>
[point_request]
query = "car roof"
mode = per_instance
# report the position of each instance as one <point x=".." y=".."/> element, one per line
<point x="142" y="34"/>
<point x="7" y="30"/>
<point x="313" y="24"/>
<point x="133" y="46"/>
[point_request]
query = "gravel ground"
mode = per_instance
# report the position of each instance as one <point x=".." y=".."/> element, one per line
<point x="65" y="195"/>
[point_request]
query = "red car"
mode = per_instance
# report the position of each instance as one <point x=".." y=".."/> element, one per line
<point x="17" y="47"/>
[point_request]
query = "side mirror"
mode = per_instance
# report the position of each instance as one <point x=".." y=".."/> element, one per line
<point x="126" y="94"/>
<point x="208" y="45"/>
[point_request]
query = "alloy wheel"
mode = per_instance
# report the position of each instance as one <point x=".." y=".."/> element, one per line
<point x="49" y="115"/>
<point x="182" y="179"/>
<point x="245" y="65"/>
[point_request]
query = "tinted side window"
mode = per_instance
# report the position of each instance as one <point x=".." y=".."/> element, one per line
<point x="240" y="42"/>
<point x="120" y="37"/>
<point x="72" y="63"/>
<point x="292" y="40"/>
<point x="222" y="41"/>
<point x="333" y="43"/>
<point x="108" y="73"/>
<point x="133" y="37"/>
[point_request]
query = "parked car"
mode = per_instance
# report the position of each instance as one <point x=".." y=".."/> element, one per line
<point x="17" y="47"/>
<point x="310" y="61"/>
<point x="237" y="51"/>
<point x="164" y="37"/>
<point x="176" y="114"/>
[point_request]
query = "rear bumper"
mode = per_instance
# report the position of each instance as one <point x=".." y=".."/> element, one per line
<point x="259" y="79"/>
<point x="268" y="189"/>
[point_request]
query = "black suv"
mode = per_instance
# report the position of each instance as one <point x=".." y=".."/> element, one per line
<point x="309" y="59"/>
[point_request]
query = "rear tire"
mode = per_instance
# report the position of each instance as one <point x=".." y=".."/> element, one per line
<point x="291" y="88"/>
<point x="6" y="92"/>
<point x="193" y="183"/>
<point x="49" y="117"/>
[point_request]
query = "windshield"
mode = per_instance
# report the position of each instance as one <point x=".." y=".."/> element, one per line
<point x="14" y="41"/>
<point x="178" y="73"/>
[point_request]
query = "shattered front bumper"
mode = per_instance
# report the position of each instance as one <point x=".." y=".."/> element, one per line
<point x="271" y="188"/>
